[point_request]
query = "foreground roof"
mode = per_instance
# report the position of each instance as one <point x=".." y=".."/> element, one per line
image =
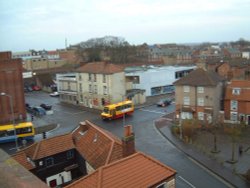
<point x="96" y="145"/>
<point x="44" y="148"/>
<point x="13" y="174"/>
<point x="200" y="77"/>
<point x="137" y="170"/>
<point x="100" y="68"/>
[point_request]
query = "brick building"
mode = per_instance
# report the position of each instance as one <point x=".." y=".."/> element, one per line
<point x="11" y="88"/>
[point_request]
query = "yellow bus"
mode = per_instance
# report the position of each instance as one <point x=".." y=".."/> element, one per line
<point x="117" y="110"/>
<point x="22" y="131"/>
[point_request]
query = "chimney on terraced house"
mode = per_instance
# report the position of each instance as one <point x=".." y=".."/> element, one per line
<point x="128" y="141"/>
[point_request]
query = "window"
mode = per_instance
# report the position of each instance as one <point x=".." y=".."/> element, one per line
<point x="200" y="89"/>
<point x="234" y="105"/>
<point x="49" y="161"/>
<point x="236" y="91"/>
<point x="105" y="90"/>
<point x="104" y="79"/>
<point x="90" y="88"/>
<point x="234" y="116"/>
<point x="80" y="77"/>
<point x="186" y="89"/>
<point x="80" y="87"/>
<point x="186" y="101"/>
<point x="200" y="115"/>
<point x="200" y="101"/>
<point x="24" y="130"/>
<point x="70" y="154"/>
<point x="95" y="89"/>
<point x="69" y="88"/>
<point x="89" y="76"/>
<point x="81" y="98"/>
<point x="94" y="77"/>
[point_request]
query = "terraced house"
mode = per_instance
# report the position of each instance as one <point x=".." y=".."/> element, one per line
<point x="199" y="95"/>
<point x="237" y="102"/>
<point x="100" y="83"/>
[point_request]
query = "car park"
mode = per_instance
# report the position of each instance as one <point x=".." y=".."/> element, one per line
<point x="46" y="106"/>
<point x="164" y="102"/>
<point x="54" y="94"/>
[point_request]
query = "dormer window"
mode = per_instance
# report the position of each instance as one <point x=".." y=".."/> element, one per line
<point x="236" y="91"/>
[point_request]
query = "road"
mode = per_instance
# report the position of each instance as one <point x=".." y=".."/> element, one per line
<point x="148" y="140"/>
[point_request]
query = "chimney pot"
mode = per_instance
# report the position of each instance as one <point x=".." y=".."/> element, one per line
<point x="127" y="131"/>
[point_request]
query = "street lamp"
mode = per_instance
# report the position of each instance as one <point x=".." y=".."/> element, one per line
<point x="180" y="121"/>
<point x="12" y="113"/>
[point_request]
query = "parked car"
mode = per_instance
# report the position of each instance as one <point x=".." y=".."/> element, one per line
<point x="38" y="111"/>
<point x="46" y="106"/>
<point x="28" y="108"/>
<point x="35" y="110"/>
<point x="164" y="102"/>
<point x="54" y="94"/>
<point x="27" y="89"/>
<point x="36" y="88"/>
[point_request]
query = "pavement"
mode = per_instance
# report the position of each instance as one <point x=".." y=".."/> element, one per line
<point x="208" y="161"/>
<point x="219" y="168"/>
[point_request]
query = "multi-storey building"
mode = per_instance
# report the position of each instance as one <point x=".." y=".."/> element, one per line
<point x="100" y="83"/>
<point x="156" y="80"/>
<point x="12" y="104"/>
<point x="199" y="96"/>
<point x="67" y="87"/>
<point x="237" y="101"/>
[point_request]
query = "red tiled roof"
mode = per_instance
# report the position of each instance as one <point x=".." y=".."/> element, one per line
<point x="96" y="145"/>
<point x="53" y="52"/>
<point x="100" y="68"/>
<point x="43" y="149"/>
<point x="200" y="77"/>
<point x="244" y="86"/>
<point x="137" y="170"/>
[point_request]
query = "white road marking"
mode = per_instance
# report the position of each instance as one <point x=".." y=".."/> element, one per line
<point x="157" y="112"/>
<point x="187" y="182"/>
<point x="57" y="126"/>
<point x="76" y="113"/>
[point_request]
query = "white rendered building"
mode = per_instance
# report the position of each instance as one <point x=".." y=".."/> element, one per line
<point x="156" y="80"/>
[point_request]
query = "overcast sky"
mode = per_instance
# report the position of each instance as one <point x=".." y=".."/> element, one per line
<point x="44" y="24"/>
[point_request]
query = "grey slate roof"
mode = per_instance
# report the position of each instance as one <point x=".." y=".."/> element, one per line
<point x="200" y="77"/>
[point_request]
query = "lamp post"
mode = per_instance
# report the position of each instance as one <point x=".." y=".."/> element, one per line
<point x="13" y="118"/>
<point x="180" y="120"/>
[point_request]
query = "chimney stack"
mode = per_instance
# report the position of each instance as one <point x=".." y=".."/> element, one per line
<point x="128" y="141"/>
